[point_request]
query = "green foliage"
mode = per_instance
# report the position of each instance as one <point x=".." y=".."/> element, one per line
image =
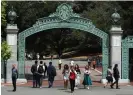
<point x="3" y="13"/>
<point x="5" y="51"/>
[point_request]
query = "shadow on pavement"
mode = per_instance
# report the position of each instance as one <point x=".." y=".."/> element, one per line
<point x="67" y="91"/>
<point x="61" y="89"/>
<point x="9" y="91"/>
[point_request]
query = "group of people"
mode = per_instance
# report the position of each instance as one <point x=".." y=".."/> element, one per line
<point x="92" y="63"/>
<point x="39" y="72"/>
<point x="70" y="73"/>
<point x="112" y="73"/>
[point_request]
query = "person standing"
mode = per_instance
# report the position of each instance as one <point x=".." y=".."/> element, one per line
<point x="65" y="73"/>
<point x="71" y="63"/>
<point x="45" y="69"/>
<point x="40" y="70"/>
<point x="94" y="64"/>
<point x="77" y="80"/>
<point x="109" y="77"/>
<point x="51" y="72"/>
<point x="116" y="76"/>
<point x="72" y="77"/>
<point x="34" y="72"/>
<point x="38" y="56"/>
<point x="14" y="76"/>
<point x="59" y="64"/>
<point x="87" y="80"/>
<point x="89" y="62"/>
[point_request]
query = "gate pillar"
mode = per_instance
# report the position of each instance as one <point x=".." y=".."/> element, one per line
<point x="116" y="46"/>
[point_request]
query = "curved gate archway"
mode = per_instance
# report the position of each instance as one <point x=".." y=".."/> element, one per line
<point x="63" y="18"/>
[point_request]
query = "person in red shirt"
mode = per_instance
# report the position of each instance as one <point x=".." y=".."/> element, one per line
<point x="72" y="77"/>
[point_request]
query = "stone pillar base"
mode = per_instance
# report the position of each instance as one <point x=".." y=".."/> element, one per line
<point x="120" y="81"/>
<point x="18" y="80"/>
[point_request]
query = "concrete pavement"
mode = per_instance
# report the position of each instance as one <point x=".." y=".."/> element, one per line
<point x="94" y="90"/>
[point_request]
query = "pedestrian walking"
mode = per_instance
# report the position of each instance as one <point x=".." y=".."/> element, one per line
<point x="34" y="73"/>
<point x="14" y="76"/>
<point x="72" y="77"/>
<point x="109" y="77"/>
<point x="40" y="70"/>
<point x="51" y="72"/>
<point x="45" y="69"/>
<point x="59" y="64"/>
<point x="71" y="63"/>
<point x="65" y="73"/>
<point x="116" y="76"/>
<point x="94" y="64"/>
<point x="89" y="62"/>
<point x="37" y="56"/>
<point x="77" y="80"/>
<point x="87" y="80"/>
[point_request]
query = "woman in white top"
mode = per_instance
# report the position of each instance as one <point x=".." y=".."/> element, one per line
<point x="77" y="80"/>
<point x="87" y="80"/>
<point x="65" y="73"/>
<point x="109" y="77"/>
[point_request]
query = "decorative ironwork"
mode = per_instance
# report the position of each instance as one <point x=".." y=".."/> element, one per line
<point x="63" y="18"/>
<point x="126" y="44"/>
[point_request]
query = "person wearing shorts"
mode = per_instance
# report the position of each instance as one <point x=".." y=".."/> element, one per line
<point x="109" y="77"/>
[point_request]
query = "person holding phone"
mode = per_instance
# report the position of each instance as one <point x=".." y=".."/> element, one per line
<point x="87" y="80"/>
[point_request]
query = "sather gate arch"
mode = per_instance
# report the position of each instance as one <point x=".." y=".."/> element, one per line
<point x="62" y="18"/>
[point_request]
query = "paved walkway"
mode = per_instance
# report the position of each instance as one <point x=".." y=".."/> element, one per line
<point x="94" y="90"/>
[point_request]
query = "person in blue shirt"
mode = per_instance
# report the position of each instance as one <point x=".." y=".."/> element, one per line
<point x="14" y="76"/>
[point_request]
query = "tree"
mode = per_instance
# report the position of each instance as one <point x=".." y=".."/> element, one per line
<point x="3" y="13"/>
<point x="5" y="55"/>
<point x="3" y="19"/>
<point x="5" y="51"/>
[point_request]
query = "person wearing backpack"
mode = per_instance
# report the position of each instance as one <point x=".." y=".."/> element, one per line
<point x="34" y="72"/>
<point x="40" y="70"/>
<point x="51" y="72"/>
<point x="109" y="77"/>
<point x="72" y="77"/>
<point x="14" y="77"/>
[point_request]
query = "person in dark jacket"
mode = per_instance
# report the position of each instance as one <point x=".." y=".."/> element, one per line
<point x="116" y="76"/>
<point x="34" y="72"/>
<point x="14" y="76"/>
<point x="51" y="72"/>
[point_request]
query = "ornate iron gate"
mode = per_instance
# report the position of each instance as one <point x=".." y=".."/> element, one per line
<point x="126" y="44"/>
<point x="63" y="18"/>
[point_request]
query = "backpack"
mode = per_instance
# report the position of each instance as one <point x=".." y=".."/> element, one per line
<point x="72" y="75"/>
<point x="53" y="72"/>
<point x="40" y="69"/>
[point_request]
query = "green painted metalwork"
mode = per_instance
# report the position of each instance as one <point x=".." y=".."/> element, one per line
<point x="126" y="44"/>
<point x="63" y="18"/>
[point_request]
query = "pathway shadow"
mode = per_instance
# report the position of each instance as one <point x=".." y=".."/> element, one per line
<point x="9" y="91"/>
<point x="98" y="75"/>
<point x="61" y="89"/>
<point x="67" y="91"/>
